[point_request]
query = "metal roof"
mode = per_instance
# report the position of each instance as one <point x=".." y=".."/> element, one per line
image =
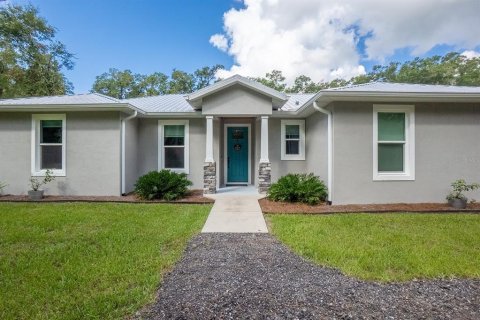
<point x="178" y="103"/>
<point x="78" y="99"/>
<point x="295" y="101"/>
<point x="165" y="103"/>
<point x="404" y="88"/>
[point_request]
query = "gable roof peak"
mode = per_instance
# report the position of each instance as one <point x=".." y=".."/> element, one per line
<point x="278" y="98"/>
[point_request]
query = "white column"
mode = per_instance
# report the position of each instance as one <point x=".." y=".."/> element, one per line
<point x="209" y="140"/>
<point x="264" y="140"/>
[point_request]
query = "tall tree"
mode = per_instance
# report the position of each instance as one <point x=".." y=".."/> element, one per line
<point x="274" y="79"/>
<point x="181" y="82"/>
<point x="31" y="60"/>
<point x="206" y="75"/>
<point x="117" y="84"/>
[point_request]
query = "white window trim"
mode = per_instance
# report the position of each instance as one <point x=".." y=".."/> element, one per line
<point x="161" y="160"/>
<point x="35" y="144"/>
<point x="409" y="152"/>
<point x="301" y="155"/>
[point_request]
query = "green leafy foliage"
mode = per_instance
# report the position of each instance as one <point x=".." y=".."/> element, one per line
<point x="459" y="187"/>
<point x="31" y="59"/>
<point x="2" y="185"/>
<point x="450" y="69"/>
<point x="36" y="183"/>
<point x="164" y="184"/>
<point x="306" y="188"/>
<point x="126" y="84"/>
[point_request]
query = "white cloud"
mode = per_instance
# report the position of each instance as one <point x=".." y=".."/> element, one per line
<point x="317" y="38"/>
<point x="219" y="41"/>
<point x="471" y="54"/>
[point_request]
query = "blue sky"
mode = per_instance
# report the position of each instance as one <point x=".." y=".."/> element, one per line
<point x="149" y="36"/>
<point x="143" y="36"/>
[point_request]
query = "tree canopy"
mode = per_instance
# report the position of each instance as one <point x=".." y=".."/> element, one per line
<point x="125" y="84"/>
<point x="31" y="60"/>
<point x="450" y="69"/>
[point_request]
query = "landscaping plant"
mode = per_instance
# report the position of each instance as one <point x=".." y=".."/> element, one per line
<point x="294" y="187"/>
<point x="458" y="187"/>
<point x="36" y="183"/>
<point x="2" y="185"/>
<point x="164" y="184"/>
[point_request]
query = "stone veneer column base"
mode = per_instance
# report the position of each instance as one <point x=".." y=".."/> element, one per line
<point x="264" y="176"/>
<point x="209" y="178"/>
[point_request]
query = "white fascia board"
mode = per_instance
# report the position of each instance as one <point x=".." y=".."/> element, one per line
<point x="260" y="88"/>
<point x="196" y="114"/>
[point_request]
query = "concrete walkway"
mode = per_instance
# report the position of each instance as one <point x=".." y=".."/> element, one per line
<point x="236" y="212"/>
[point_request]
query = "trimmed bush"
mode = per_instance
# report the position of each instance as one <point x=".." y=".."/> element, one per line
<point x="305" y="188"/>
<point x="164" y="184"/>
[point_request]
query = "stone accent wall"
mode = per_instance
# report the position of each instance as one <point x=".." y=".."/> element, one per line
<point x="264" y="176"/>
<point x="209" y="178"/>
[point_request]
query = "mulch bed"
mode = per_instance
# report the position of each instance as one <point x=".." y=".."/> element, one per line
<point x="254" y="276"/>
<point x="194" y="197"/>
<point x="269" y="206"/>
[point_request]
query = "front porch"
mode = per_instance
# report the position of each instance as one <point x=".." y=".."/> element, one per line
<point x="236" y="154"/>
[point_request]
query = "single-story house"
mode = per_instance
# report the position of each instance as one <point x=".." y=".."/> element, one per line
<point x="371" y="143"/>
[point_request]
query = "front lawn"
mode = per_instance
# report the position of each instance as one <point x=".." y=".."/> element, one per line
<point x="88" y="261"/>
<point x="386" y="247"/>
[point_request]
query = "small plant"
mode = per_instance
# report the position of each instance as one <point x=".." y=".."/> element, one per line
<point x="458" y="187"/>
<point x="164" y="184"/>
<point x="2" y="185"/>
<point x="456" y="198"/>
<point x="36" y="183"/>
<point x="306" y="188"/>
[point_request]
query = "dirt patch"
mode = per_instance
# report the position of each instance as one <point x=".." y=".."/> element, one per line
<point x="269" y="206"/>
<point x="194" y="197"/>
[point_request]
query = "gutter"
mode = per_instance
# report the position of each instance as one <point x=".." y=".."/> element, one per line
<point x="329" y="148"/>
<point x="135" y="113"/>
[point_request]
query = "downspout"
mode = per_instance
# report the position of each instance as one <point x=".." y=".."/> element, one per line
<point x="329" y="148"/>
<point x="123" y="149"/>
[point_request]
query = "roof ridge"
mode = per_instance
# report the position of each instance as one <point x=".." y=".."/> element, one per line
<point x="106" y="97"/>
<point x="55" y="96"/>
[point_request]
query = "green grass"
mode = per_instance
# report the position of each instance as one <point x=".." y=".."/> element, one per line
<point x="95" y="261"/>
<point x="386" y="247"/>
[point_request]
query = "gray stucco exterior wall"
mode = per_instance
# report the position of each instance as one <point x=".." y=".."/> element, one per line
<point x="447" y="141"/>
<point x="316" y="145"/>
<point x="147" y="156"/>
<point x="92" y="154"/>
<point x="281" y="167"/>
<point x="237" y="101"/>
<point x="131" y="151"/>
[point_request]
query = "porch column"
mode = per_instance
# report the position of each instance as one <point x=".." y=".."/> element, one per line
<point x="264" y="167"/>
<point x="209" y="167"/>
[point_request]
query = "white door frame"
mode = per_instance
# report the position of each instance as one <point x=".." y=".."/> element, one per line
<point x="225" y="151"/>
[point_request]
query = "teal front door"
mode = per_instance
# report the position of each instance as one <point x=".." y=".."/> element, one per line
<point x="237" y="155"/>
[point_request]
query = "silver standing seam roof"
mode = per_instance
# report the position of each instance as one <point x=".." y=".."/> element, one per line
<point x="77" y="99"/>
<point x="178" y="103"/>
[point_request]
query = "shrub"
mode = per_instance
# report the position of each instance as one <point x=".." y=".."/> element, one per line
<point x="305" y="188"/>
<point x="164" y="184"/>
<point x="458" y="187"/>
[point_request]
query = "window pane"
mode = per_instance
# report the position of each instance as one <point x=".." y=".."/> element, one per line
<point x="175" y="158"/>
<point x="292" y="131"/>
<point x="50" y="131"/>
<point x="391" y="126"/>
<point x="390" y="157"/>
<point x="174" y="131"/>
<point x="173" y="141"/>
<point x="292" y="147"/>
<point x="51" y="157"/>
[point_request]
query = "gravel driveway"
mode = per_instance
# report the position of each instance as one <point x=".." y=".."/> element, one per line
<point x="254" y="276"/>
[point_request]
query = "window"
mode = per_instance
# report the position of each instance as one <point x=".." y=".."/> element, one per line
<point x="173" y="145"/>
<point x="394" y="142"/>
<point x="293" y="139"/>
<point x="48" y="144"/>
